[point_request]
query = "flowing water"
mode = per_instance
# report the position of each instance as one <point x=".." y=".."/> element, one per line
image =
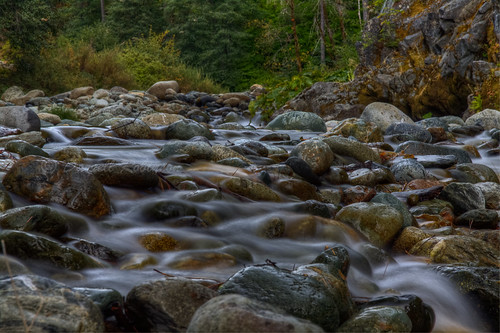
<point x="368" y="276"/>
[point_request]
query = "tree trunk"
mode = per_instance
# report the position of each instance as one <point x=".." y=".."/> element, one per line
<point x="291" y="4"/>
<point x="102" y="11"/>
<point x="322" y="30"/>
<point x="366" y="16"/>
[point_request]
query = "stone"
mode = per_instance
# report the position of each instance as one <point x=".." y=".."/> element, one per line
<point x="299" y="188"/>
<point x="391" y="200"/>
<point x="463" y="197"/>
<point x="298" y="120"/>
<point x="195" y="150"/>
<point x="47" y="305"/>
<point x="491" y="193"/>
<point x="420" y="148"/>
<point x="479" y="219"/>
<point x="380" y="223"/>
<point x="166" y="305"/>
<point x="359" y="129"/>
<point x="407" y="239"/>
<point x="237" y="313"/>
<point x="316" y="153"/>
<point x="407" y="170"/>
<point x="159" y="89"/>
<point x="488" y="119"/>
<point x="456" y="249"/>
<point x="49" y="117"/>
<point x="383" y="115"/>
<point x="474" y="173"/>
<point x="161" y="119"/>
<point x="167" y="209"/>
<point x="401" y="132"/>
<point x="250" y="189"/>
<point x="359" y="151"/>
<point x="81" y="91"/>
<point x="158" y="242"/>
<point x="125" y="175"/>
<point x="19" y="117"/>
<point x="378" y="319"/>
<point x="26" y="246"/>
<point x="131" y="128"/>
<point x="303" y="169"/>
<point x="70" y="155"/>
<point x="42" y="180"/>
<point x="24" y="148"/>
<point x="37" y="218"/>
<point x="186" y="129"/>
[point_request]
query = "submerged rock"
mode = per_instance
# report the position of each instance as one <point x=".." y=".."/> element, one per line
<point x="125" y="175"/>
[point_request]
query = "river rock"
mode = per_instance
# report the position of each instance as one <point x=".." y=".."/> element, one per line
<point x="457" y="250"/>
<point x="194" y="150"/>
<point x="24" y="148"/>
<point x="401" y="132"/>
<point x="384" y="114"/>
<point x="407" y="170"/>
<point x="47" y="305"/>
<point x="474" y="173"/>
<point x="358" y="193"/>
<point x="299" y="188"/>
<point x="380" y="223"/>
<point x="221" y="152"/>
<point x="43" y="180"/>
<point x="186" y="129"/>
<point x="488" y="119"/>
<point x="167" y="209"/>
<point x="302" y="293"/>
<point x="463" y="197"/>
<point x="5" y="200"/>
<point x="19" y="117"/>
<point x="49" y="117"/>
<point x="203" y="259"/>
<point x="159" y="89"/>
<point x="481" y="287"/>
<point x="105" y="298"/>
<point x="70" y="155"/>
<point x="125" y="175"/>
<point x="378" y="319"/>
<point x="303" y="169"/>
<point x="131" y="128"/>
<point x="479" y="219"/>
<point x="298" y="120"/>
<point x="316" y="153"/>
<point x="250" y="189"/>
<point x="38" y="218"/>
<point x="371" y="177"/>
<point x="161" y="119"/>
<point x="391" y="200"/>
<point x="28" y="246"/>
<point x="237" y="313"/>
<point x="422" y="316"/>
<point x="336" y="176"/>
<point x="359" y="151"/>
<point x="166" y="305"/>
<point x="408" y="238"/>
<point x="101" y="141"/>
<point x="81" y="91"/>
<point x="491" y="193"/>
<point x="359" y="129"/>
<point x="420" y="148"/>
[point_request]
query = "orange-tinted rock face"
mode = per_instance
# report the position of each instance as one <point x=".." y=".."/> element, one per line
<point x="43" y="180"/>
<point x="423" y="57"/>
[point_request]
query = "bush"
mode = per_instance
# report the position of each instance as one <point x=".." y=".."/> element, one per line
<point x="64" y="113"/>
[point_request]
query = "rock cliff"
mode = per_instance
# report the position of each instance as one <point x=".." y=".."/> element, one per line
<point x="422" y="56"/>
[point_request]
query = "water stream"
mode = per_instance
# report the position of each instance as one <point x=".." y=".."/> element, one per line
<point x="240" y="222"/>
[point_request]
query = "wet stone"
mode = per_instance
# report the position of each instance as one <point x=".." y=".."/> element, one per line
<point x="38" y="218"/>
<point x="298" y="120"/>
<point x="463" y="197"/>
<point x="378" y="319"/>
<point x="479" y="219"/>
<point x="125" y="175"/>
<point x="59" y="304"/>
<point x="491" y="193"/>
<point x="401" y="132"/>
<point x="24" y="148"/>
<point x="407" y="170"/>
<point x="316" y="153"/>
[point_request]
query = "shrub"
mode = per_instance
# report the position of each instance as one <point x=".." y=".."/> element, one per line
<point x="64" y="113"/>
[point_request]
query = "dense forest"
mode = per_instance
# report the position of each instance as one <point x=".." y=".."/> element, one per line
<point x="217" y="45"/>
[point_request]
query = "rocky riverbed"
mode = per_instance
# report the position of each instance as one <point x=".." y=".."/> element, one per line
<point x="168" y="211"/>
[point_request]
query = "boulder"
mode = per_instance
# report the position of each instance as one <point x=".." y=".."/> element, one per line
<point x="237" y="313"/>
<point x="37" y="218"/>
<point x="159" y="89"/>
<point x="463" y="197"/>
<point x="420" y="148"/>
<point x="407" y="170"/>
<point x="316" y="153"/>
<point x="384" y="115"/>
<point x="186" y="129"/>
<point x="166" y="305"/>
<point x="298" y="120"/>
<point x="43" y="180"/>
<point x="19" y="117"/>
<point x="47" y="305"/>
<point x="488" y="119"/>
<point x="359" y="151"/>
<point x="81" y="91"/>
<point x="131" y="128"/>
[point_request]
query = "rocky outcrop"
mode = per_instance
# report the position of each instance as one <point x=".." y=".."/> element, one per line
<point x="421" y="56"/>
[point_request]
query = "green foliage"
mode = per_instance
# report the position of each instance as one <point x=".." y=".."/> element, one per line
<point x="427" y="115"/>
<point x="135" y="18"/>
<point x="99" y="35"/>
<point x="476" y="105"/>
<point x="63" y="113"/>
